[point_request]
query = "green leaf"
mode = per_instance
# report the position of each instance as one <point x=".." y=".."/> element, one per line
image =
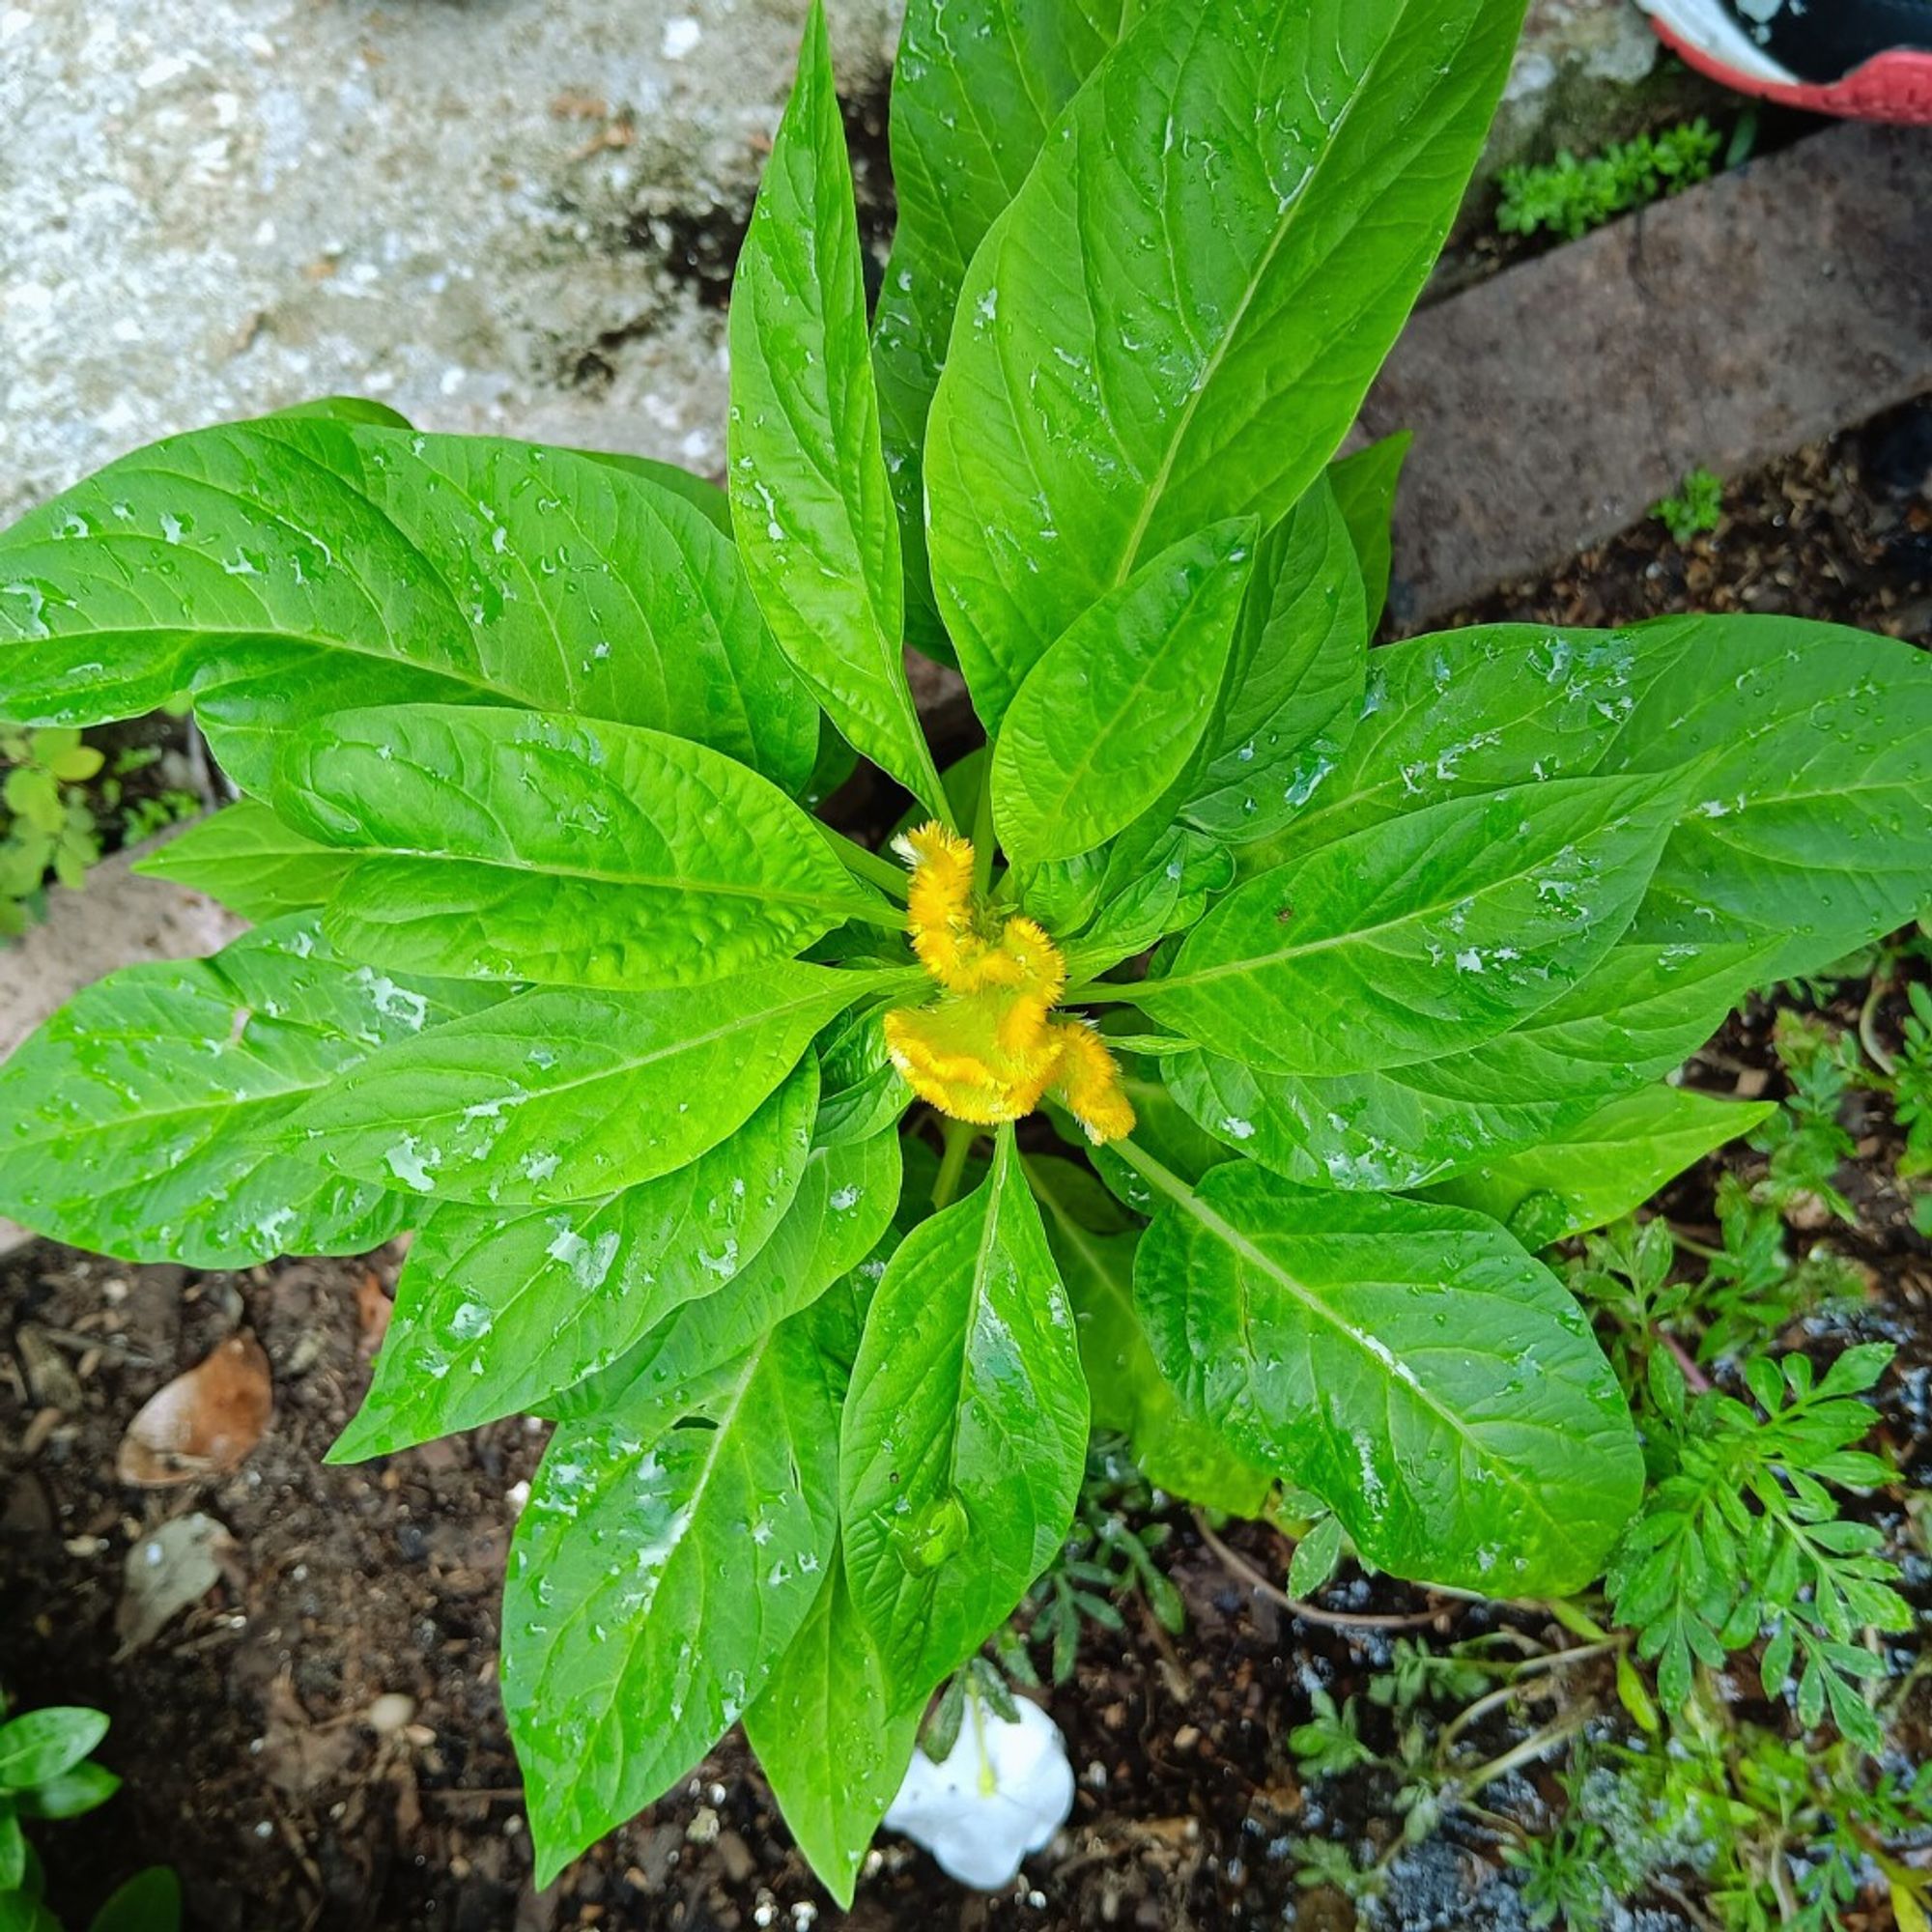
<point x="1806" y="751"/>
<point x="246" y="857"/>
<point x="861" y="1092"/>
<point x="964" y="1436"/>
<point x="834" y="1745"/>
<point x="1421" y="936"/>
<point x="559" y="1096"/>
<point x="1604" y="1167"/>
<point x="1316" y="1557"/>
<point x="1365" y="485"/>
<point x="1176" y="320"/>
<point x="1109" y="716"/>
<point x="283" y="569"/>
<point x="148" y="1902"/>
<point x="810" y="496"/>
<point x="655" y="1577"/>
<point x="1634" y="1016"/>
<point x="702" y="495"/>
<point x="1301" y="667"/>
<point x="1093" y="1242"/>
<point x="344" y="409"/>
<point x="1145" y="896"/>
<point x="39" y="1745"/>
<point x="517" y="845"/>
<point x="495" y="1312"/>
<point x="1408" y="1362"/>
<point x="844" y="1205"/>
<point x="150" y="1117"/>
<point x="976" y="87"/>
<point x="70" y="1794"/>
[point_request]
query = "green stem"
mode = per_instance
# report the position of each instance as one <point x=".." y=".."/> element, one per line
<point x="959" y="1138"/>
<point x="1100" y="993"/>
<point x="1578" y="1622"/>
<point x="982" y="829"/>
<point x="866" y="864"/>
<point x="930" y="789"/>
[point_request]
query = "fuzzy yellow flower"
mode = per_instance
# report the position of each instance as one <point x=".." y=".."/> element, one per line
<point x="988" y="1049"/>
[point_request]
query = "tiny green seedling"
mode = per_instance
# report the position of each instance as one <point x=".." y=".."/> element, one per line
<point x="1349" y="980"/>
<point x="1695" y="508"/>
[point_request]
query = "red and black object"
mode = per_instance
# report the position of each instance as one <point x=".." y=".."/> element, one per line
<point x="1870" y="59"/>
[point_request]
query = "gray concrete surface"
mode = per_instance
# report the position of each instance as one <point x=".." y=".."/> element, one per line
<point x="484" y="214"/>
<point x="1555" y="403"/>
<point x="478" y="212"/>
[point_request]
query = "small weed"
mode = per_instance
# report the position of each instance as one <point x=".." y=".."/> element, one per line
<point x="1742" y="1540"/>
<point x="47" y="825"/>
<point x="1571" y="197"/>
<point x="1108" y="1556"/>
<point x="1694" y="508"/>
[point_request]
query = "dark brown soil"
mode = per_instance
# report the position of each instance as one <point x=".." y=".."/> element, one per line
<point x="243" y="1731"/>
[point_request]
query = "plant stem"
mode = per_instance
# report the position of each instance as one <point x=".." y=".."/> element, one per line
<point x="866" y="864"/>
<point x="982" y="829"/>
<point x="1099" y="993"/>
<point x="959" y="1138"/>
<point x="1526" y="1753"/>
<point x="1311" y="1614"/>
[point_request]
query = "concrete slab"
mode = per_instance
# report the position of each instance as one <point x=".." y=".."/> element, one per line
<point x="1555" y="403"/>
<point x="510" y="215"/>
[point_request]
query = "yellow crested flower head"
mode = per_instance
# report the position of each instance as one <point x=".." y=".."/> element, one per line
<point x="987" y="1049"/>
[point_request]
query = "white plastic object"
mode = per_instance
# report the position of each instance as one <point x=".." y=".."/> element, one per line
<point x="1003" y="1791"/>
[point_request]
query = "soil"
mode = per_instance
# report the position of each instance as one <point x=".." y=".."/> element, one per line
<point x="268" y="1757"/>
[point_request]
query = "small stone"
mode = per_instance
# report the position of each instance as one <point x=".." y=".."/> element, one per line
<point x="390" y="1713"/>
<point x="703" y="1828"/>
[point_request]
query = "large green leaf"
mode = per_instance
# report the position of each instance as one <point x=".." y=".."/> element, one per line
<point x="1408" y="1362"/>
<point x="1606" y="1165"/>
<point x="519" y="845"/>
<point x="657" y="1576"/>
<point x="494" y="1312"/>
<point x="150" y="1117"/>
<point x="1424" y="935"/>
<point x="246" y="857"/>
<point x="560" y="1096"/>
<point x="810" y="496"/>
<point x="1094" y="1240"/>
<point x="1176" y="319"/>
<point x="965" y="1433"/>
<point x="1301" y="667"/>
<point x="844" y="1205"/>
<point x="976" y="87"/>
<point x="1107" y="719"/>
<point x="1634" y="1016"/>
<point x="834" y="1743"/>
<point x="1806" y="752"/>
<point x="287" y="568"/>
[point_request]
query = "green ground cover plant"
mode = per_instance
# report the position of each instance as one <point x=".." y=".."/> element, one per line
<point x="1569" y="196"/>
<point x="47" y="1771"/>
<point x="1341" y="984"/>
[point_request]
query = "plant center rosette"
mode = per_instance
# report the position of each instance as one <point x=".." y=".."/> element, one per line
<point x="988" y="1049"/>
